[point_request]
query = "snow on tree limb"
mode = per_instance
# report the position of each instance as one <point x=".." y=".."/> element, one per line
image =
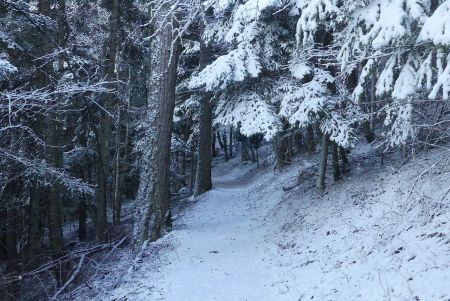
<point x="251" y="112"/>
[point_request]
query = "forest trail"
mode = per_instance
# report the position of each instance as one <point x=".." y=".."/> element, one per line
<point x="367" y="237"/>
<point x="222" y="252"/>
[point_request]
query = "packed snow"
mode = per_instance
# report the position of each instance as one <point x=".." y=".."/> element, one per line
<point x="381" y="233"/>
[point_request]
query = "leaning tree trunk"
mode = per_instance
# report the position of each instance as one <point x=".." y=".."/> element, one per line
<point x="323" y="161"/>
<point x="153" y="214"/>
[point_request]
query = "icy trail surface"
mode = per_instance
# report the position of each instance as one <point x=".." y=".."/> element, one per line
<point x="381" y="233"/>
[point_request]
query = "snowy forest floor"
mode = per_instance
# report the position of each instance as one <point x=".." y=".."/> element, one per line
<point x="381" y="233"/>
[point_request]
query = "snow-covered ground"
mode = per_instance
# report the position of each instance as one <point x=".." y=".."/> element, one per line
<point x="381" y="233"/>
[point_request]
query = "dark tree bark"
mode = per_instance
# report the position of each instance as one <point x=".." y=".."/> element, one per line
<point x="343" y="157"/>
<point x="120" y="167"/>
<point x="11" y="240"/>
<point x="153" y="214"/>
<point x="373" y="83"/>
<point x="193" y="165"/>
<point x="116" y="201"/>
<point x="213" y="145"/>
<point x="54" y="151"/>
<point x="252" y="151"/>
<point x="335" y="157"/>
<point x="203" y="182"/>
<point x="231" y="142"/>
<point x="280" y="152"/>
<point x="244" y="150"/>
<point x="54" y="198"/>
<point x="34" y="229"/>
<point x="105" y="130"/>
<point x="83" y="208"/>
<point x="367" y="132"/>
<point x="223" y="144"/>
<point x="82" y="216"/>
<point x="219" y="139"/>
<point x="3" y="231"/>
<point x="323" y="161"/>
<point x="310" y="138"/>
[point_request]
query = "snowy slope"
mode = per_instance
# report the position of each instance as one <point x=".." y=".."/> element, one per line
<point x="382" y="233"/>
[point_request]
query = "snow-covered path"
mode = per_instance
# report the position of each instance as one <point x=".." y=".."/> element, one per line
<point x="222" y="252"/>
<point x="369" y="237"/>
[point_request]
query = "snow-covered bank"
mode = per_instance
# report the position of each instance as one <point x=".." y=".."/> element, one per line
<point x="382" y="233"/>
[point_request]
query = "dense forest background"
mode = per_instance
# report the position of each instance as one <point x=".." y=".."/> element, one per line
<point x="111" y="109"/>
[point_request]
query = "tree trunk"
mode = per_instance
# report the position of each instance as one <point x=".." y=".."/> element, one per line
<point x="117" y="182"/>
<point x="296" y="142"/>
<point x="153" y="214"/>
<point x="213" y="145"/>
<point x="54" y="151"/>
<point x="223" y="144"/>
<point x="244" y="151"/>
<point x="335" y="157"/>
<point x="257" y="157"/>
<point x="3" y="231"/>
<point x="82" y="216"/>
<point x="105" y="130"/>
<point x="83" y="208"/>
<point x="119" y="171"/>
<point x="11" y="240"/>
<point x="252" y="151"/>
<point x="373" y="83"/>
<point x="323" y="161"/>
<point x="310" y="138"/>
<point x="203" y="180"/>
<point x="34" y="230"/>
<point x="192" y="175"/>
<point x="219" y="139"/>
<point x="343" y="156"/>
<point x="54" y="198"/>
<point x="280" y="152"/>
<point x="231" y="142"/>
